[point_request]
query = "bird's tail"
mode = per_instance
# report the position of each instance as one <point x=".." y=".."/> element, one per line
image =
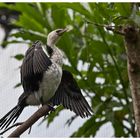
<point x="12" y="115"/>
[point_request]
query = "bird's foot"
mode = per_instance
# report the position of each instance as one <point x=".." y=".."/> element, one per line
<point x="51" y="108"/>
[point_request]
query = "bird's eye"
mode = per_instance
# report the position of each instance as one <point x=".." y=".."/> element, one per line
<point x="58" y="31"/>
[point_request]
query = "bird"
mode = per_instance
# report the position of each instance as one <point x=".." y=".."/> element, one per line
<point x="45" y="81"/>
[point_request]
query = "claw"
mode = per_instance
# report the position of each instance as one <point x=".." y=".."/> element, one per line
<point x="51" y="108"/>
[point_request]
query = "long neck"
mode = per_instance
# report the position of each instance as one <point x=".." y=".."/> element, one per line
<point x="56" y="55"/>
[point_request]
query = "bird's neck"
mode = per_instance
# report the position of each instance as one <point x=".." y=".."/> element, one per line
<point x="55" y="54"/>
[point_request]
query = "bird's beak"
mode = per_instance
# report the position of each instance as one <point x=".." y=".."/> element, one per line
<point x="63" y="31"/>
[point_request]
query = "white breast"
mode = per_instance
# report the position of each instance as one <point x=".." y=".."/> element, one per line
<point x="50" y="83"/>
<point x="51" y="80"/>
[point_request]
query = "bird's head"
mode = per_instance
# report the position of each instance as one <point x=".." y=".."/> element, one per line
<point x="55" y="35"/>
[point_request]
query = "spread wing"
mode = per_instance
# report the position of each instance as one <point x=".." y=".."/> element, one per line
<point x="69" y="95"/>
<point x="34" y="64"/>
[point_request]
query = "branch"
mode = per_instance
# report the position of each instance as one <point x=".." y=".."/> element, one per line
<point x="114" y="29"/>
<point x="30" y="121"/>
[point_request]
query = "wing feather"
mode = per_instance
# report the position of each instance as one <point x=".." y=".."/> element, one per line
<point x="34" y="64"/>
<point x="69" y="95"/>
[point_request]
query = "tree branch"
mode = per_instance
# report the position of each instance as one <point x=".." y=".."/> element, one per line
<point x="30" y="121"/>
<point x="114" y="29"/>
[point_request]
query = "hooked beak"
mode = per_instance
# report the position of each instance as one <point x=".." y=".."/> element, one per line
<point x="63" y="31"/>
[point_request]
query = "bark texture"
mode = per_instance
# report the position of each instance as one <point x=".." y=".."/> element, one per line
<point x="132" y="41"/>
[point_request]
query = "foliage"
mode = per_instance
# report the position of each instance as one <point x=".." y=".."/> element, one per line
<point x="103" y="76"/>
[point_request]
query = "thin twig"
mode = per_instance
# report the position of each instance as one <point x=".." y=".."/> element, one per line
<point x="30" y="130"/>
<point x="108" y="27"/>
<point x="69" y="121"/>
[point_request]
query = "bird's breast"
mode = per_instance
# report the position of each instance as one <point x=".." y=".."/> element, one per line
<point x="50" y="82"/>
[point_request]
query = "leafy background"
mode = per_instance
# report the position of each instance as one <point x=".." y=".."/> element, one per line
<point x="95" y="56"/>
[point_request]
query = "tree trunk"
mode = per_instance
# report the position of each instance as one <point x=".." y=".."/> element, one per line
<point x="132" y="41"/>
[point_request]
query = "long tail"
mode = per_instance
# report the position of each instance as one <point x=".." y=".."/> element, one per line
<point x="12" y="115"/>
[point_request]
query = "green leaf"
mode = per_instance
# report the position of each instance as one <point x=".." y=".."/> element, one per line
<point x="29" y="23"/>
<point x="19" y="56"/>
<point x="123" y="9"/>
<point x="26" y="35"/>
<point x="57" y="14"/>
<point x="53" y="114"/>
<point x="88" y="129"/>
<point x="78" y="8"/>
<point x="17" y="85"/>
<point x="30" y="11"/>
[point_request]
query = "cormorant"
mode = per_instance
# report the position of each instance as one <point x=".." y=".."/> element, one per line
<point x="45" y="82"/>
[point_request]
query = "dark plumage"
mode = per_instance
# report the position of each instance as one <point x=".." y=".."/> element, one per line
<point x="69" y="95"/>
<point x="33" y="66"/>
